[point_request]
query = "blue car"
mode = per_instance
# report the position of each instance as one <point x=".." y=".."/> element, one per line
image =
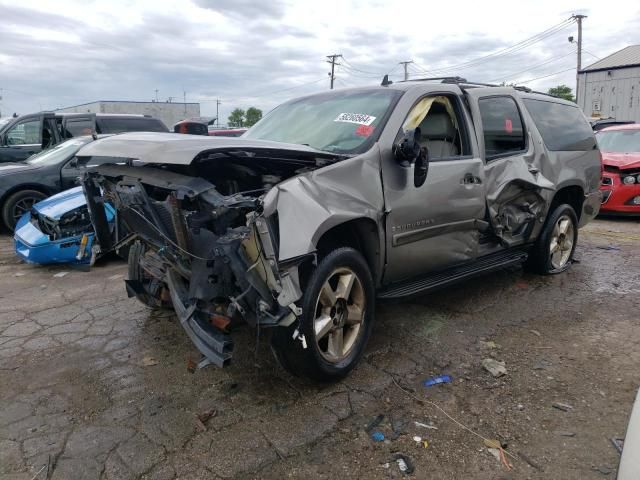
<point x="59" y="230"/>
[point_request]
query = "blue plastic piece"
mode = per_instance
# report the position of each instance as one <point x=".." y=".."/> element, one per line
<point x="377" y="436"/>
<point x="430" y="382"/>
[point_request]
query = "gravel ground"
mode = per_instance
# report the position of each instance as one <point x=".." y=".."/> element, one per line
<point x="96" y="386"/>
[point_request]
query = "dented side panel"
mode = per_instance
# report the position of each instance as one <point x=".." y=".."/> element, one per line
<point x="311" y="204"/>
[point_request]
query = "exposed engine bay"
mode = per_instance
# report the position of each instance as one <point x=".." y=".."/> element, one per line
<point x="209" y="249"/>
<point x="71" y="224"/>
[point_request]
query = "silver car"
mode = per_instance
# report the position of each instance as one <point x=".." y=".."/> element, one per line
<point x="338" y="199"/>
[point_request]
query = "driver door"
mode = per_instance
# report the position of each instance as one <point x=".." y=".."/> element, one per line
<point x="436" y="224"/>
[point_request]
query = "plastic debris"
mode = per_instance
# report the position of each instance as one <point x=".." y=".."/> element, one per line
<point x="565" y="407"/>
<point x="60" y="274"/>
<point x="424" y="425"/>
<point x="430" y="382"/>
<point x="374" y="423"/>
<point x="417" y="439"/>
<point x="404" y="463"/>
<point x="495" y="452"/>
<point x="19" y="274"/>
<point x="377" y="437"/>
<point x="536" y="333"/>
<point x="494" y="367"/>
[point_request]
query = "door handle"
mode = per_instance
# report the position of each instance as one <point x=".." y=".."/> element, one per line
<point x="470" y="179"/>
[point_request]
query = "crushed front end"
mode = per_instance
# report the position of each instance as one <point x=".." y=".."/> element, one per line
<point x="212" y="256"/>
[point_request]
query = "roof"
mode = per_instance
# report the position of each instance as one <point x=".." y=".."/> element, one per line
<point x="129" y="101"/>
<point x="627" y="57"/>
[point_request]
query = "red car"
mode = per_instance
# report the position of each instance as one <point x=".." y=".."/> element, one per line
<point x="620" y="147"/>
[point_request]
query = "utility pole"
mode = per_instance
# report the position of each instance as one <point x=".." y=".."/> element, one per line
<point x="406" y="72"/>
<point x="184" y="98"/>
<point x="156" y="94"/>
<point x="578" y="19"/>
<point x="332" y="61"/>
<point x="218" y="102"/>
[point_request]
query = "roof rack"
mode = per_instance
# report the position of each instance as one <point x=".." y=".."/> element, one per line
<point x="464" y="82"/>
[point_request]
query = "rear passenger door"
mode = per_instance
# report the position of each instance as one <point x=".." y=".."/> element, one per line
<point x="514" y="183"/>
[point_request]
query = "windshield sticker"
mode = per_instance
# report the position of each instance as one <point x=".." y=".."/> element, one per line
<point x="364" y="130"/>
<point x="357" y="118"/>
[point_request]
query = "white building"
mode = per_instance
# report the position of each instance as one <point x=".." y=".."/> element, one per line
<point x="611" y="86"/>
<point x="169" y="113"/>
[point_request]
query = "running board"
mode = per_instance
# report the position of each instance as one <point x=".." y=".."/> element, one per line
<point x="489" y="263"/>
<point x="215" y="345"/>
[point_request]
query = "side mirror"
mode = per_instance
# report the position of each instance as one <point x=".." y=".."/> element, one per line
<point x="407" y="150"/>
<point x="74" y="162"/>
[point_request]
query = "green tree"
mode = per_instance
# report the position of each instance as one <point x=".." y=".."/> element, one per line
<point x="562" y="91"/>
<point x="236" y="119"/>
<point x="253" y="115"/>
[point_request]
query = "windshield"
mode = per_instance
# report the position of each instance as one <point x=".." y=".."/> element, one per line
<point x="58" y="154"/>
<point x="619" y="141"/>
<point x="342" y="122"/>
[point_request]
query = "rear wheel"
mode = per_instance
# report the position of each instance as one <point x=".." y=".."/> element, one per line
<point x="152" y="288"/>
<point x="336" y="321"/>
<point x="553" y="251"/>
<point x="18" y="204"/>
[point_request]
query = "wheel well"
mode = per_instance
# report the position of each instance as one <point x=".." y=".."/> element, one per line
<point x="360" y="234"/>
<point x="572" y="195"/>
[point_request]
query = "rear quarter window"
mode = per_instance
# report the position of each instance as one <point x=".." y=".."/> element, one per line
<point x="563" y="127"/>
<point x="129" y="124"/>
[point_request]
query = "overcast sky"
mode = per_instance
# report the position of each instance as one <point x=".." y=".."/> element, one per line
<point x="260" y="53"/>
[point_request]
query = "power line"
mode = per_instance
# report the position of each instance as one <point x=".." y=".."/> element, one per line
<point x="544" y="76"/>
<point x="265" y="94"/>
<point x="509" y="50"/>
<point x="512" y="74"/>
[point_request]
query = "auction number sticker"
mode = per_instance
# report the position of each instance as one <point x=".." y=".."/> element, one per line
<point x="357" y="118"/>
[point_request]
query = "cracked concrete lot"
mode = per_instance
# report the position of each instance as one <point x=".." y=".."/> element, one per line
<point x="95" y="386"/>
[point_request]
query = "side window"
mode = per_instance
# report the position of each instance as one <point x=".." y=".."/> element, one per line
<point x="563" y="127"/>
<point x="78" y="127"/>
<point x="25" y="133"/>
<point x="502" y="127"/>
<point x="441" y="127"/>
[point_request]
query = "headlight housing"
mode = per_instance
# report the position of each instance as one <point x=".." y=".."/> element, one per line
<point x="629" y="180"/>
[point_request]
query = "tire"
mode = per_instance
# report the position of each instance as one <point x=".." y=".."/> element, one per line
<point x="18" y="204"/>
<point x="152" y="287"/>
<point x="338" y="301"/>
<point x="560" y="234"/>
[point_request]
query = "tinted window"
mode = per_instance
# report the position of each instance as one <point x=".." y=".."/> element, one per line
<point x="78" y="127"/>
<point x="129" y="124"/>
<point x="502" y="126"/>
<point x="563" y="127"/>
<point x="24" y="133"/>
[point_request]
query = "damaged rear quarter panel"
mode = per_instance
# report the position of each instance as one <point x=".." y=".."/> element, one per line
<point x="311" y="204"/>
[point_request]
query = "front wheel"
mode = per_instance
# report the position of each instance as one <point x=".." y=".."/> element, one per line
<point x="18" y="204"/>
<point x="337" y="318"/>
<point x="553" y="251"/>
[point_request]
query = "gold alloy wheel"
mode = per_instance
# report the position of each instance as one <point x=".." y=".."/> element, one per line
<point x="561" y="243"/>
<point x="340" y="310"/>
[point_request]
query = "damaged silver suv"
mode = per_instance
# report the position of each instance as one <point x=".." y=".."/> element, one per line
<point x="336" y="199"/>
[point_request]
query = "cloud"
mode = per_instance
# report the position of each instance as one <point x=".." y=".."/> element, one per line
<point x="247" y="52"/>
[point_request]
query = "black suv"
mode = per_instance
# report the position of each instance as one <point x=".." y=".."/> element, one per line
<point x="23" y="136"/>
